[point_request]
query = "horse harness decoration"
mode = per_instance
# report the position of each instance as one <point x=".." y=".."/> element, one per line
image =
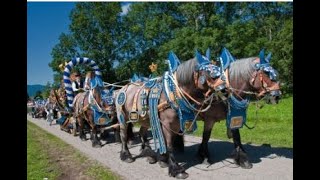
<point x="236" y="115"/>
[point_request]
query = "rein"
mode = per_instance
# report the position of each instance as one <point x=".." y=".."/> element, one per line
<point x="183" y="96"/>
<point x="193" y="121"/>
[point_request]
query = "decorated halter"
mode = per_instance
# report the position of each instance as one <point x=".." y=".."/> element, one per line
<point x="214" y="72"/>
<point x="264" y="67"/>
<point x="67" y="72"/>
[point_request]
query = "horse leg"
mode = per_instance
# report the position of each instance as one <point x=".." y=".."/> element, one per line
<point x="125" y="154"/>
<point x="145" y="146"/>
<point x="178" y="143"/>
<point x="96" y="143"/>
<point x="130" y="133"/>
<point x="203" y="152"/>
<point x="117" y="137"/>
<point x="116" y="130"/>
<point x="239" y="154"/>
<point x="175" y="169"/>
<point x="82" y="135"/>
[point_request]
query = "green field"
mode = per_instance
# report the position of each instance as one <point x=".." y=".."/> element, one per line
<point x="50" y="157"/>
<point x="274" y="125"/>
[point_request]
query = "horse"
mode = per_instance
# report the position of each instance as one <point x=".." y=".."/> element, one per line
<point x="65" y="117"/>
<point x="166" y="95"/>
<point x="251" y="77"/>
<point x="90" y="107"/>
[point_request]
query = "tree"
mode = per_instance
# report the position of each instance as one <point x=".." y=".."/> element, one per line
<point x="126" y="44"/>
<point x="38" y="95"/>
<point x="94" y="27"/>
<point x="46" y="91"/>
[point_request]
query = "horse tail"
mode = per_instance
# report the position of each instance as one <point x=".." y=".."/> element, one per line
<point x="67" y="72"/>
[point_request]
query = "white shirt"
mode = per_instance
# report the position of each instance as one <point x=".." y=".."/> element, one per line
<point x="74" y="86"/>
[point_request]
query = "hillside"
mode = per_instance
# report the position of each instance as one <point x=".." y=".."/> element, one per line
<point x="32" y="89"/>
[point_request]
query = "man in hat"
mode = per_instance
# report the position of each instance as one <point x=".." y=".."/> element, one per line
<point x="77" y="84"/>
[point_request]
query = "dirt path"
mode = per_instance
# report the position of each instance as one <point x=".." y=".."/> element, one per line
<point x="268" y="163"/>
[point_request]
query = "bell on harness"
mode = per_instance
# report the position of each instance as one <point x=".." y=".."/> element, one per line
<point x="133" y="116"/>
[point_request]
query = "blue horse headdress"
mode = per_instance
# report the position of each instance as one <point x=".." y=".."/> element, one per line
<point x="226" y="58"/>
<point x="96" y="81"/>
<point x="174" y="62"/>
<point x="205" y="64"/>
<point x="134" y="78"/>
<point x="265" y="66"/>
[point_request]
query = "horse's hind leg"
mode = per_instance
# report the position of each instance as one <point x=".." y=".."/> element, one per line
<point x="125" y="154"/>
<point x="130" y="133"/>
<point x="239" y="155"/>
<point x="145" y="146"/>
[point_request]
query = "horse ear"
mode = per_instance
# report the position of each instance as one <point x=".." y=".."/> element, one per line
<point x="226" y="57"/>
<point x="134" y="78"/>
<point x="261" y="56"/>
<point x="208" y="54"/>
<point x="268" y="58"/>
<point x="200" y="59"/>
<point x="173" y="62"/>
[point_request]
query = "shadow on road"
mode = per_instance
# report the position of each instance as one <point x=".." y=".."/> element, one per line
<point x="221" y="150"/>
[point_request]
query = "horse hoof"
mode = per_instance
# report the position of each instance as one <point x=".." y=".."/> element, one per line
<point x="129" y="160"/>
<point x="182" y="175"/>
<point x="207" y="161"/>
<point x="96" y="145"/>
<point x="246" y="165"/>
<point x="163" y="164"/>
<point x="151" y="160"/>
<point x="130" y="142"/>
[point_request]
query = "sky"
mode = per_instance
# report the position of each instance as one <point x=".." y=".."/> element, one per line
<point x="45" y="22"/>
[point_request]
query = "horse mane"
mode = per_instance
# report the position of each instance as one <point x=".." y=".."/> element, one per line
<point x="242" y="69"/>
<point x="185" y="72"/>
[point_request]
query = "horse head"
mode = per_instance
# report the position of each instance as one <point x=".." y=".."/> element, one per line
<point x="265" y="79"/>
<point x="99" y="95"/>
<point x="253" y="74"/>
<point x="207" y="75"/>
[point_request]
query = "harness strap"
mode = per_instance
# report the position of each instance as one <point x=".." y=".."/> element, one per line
<point x="226" y="73"/>
<point x="195" y="77"/>
<point x="134" y="105"/>
<point x="177" y="85"/>
<point x="183" y="91"/>
<point x="163" y="106"/>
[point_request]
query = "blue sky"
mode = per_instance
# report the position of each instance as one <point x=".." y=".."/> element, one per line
<point x="45" y="22"/>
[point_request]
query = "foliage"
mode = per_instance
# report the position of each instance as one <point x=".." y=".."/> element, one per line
<point x="123" y="44"/>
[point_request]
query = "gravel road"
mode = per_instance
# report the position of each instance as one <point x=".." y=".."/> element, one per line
<point x="268" y="162"/>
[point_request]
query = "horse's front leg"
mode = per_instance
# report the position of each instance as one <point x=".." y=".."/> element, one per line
<point x="125" y="154"/>
<point x="203" y="152"/>
<point x="239" y="154"/>
<point x="80" y="120"/>
<point x="175" y="169"/>
<point x="96" y="143"/>
<point x="145" y="146"/>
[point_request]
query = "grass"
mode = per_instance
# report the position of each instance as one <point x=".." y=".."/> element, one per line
<point x="38" y="164"/>
<point x="44" y="151"/>
<point x="274" y="125"/>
